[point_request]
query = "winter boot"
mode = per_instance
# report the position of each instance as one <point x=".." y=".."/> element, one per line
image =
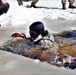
<point x="72" y="6"/>
<point x="63" y="6"/>
<point x="33" y="5"/>
<point x="20" y="2"/>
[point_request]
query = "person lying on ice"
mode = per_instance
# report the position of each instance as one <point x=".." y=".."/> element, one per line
<point x="4" y="6"/>
<point x="38" y="35"/>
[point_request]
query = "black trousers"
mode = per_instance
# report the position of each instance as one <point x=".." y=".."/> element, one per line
<point x="4" y="8"/>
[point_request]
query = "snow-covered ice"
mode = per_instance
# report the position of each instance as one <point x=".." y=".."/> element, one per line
<point x="24" y="16"/>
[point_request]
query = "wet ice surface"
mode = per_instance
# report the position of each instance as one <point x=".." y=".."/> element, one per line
<point x="20" y="65"/>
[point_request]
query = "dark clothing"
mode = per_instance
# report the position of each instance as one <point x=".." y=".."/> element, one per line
<point x="72" y="66"/>
<point x="70" y="34"/>
<point x="4" y="8"/>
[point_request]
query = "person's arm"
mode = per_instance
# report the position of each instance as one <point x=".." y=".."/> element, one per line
<point x="4" y="6"/>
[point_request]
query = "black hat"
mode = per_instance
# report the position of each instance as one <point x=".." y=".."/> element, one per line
<point x="37" y="26"/>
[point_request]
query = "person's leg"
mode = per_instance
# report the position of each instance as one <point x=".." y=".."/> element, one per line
<point x="71" y="1"/>
<point x="71" y="4"/>
<point x="20" y="2"/>
<point x="33" y="4"/>
<point x="64" y="4"/>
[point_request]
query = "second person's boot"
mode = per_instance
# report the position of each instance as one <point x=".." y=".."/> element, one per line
<point x="63" y="6"/>
<point x="72" y="6"/>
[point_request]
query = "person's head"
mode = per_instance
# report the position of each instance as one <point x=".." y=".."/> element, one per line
<point x="36" y="29"/>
